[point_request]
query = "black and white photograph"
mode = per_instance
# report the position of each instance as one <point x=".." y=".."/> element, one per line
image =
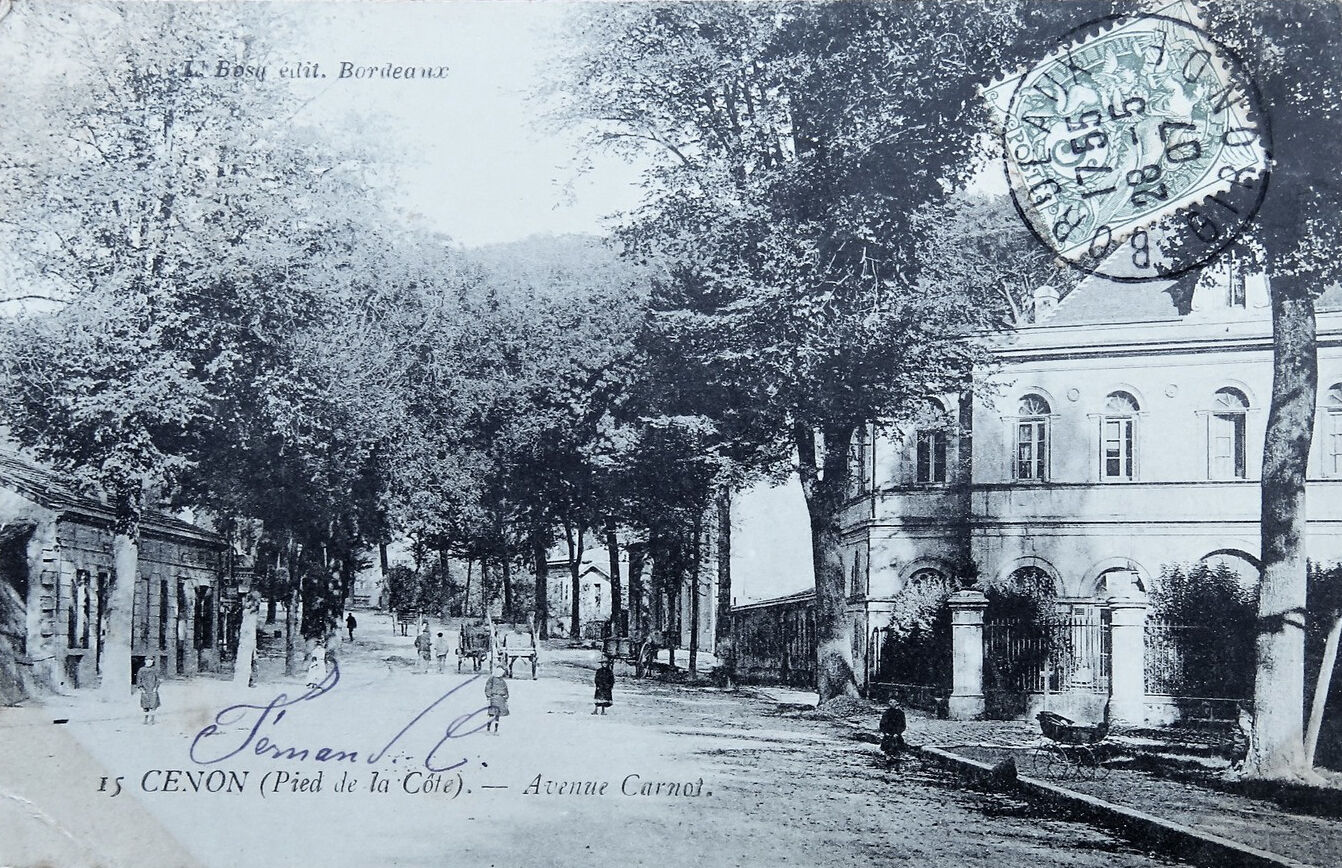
<point x="670" y="433"/>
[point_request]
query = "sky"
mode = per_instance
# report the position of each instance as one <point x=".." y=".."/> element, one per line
<point x="478" y="165"/>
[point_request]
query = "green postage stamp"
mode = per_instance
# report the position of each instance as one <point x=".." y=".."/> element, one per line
<point x="1135" y="149"/>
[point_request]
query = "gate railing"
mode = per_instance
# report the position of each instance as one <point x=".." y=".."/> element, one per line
<point x="1049" y="656"/>
<point x="1192" y="660"/>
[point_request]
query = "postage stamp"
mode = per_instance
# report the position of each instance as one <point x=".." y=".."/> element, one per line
<point x="1137" y="151"/>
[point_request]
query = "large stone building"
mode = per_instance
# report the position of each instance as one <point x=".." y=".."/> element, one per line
<point x="56" y="568"/>
<point x="1119" y="433"/>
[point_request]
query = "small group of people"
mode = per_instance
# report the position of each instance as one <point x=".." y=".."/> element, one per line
<point x="428" y="649"/>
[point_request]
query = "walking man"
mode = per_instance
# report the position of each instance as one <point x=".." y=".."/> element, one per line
<point x="424" y="645"/>
<point x="350" y="624"/>
<point x="440" y="651"/>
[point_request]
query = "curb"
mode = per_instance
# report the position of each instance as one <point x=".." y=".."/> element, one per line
<point x="1148" y="830"/>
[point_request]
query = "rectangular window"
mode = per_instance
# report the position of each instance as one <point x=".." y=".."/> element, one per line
<point x="1333" y="462"/>
<point x="204" y="617"/>
<point x="77" y="627"/>
<point x="1227" y="443"/>
<point x="1235" y="289"/>
<point x="163" y="614"/>
<point x="1116" y="448"/>
<point x="933" y="447"/>
<point x="1031" y="449"/>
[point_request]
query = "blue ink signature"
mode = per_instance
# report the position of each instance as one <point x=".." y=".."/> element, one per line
<point x="205" y="750"/>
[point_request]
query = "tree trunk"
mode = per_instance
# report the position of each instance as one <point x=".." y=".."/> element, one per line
<point x="507" y="576"/>
<point x="466" y="593"/>
<point x="382" y="559"/>
<point x="242" y="664"/>
<point x="270" y="611"/>
<point x="637" y="617"/>
<point x="484" y="586"/>
<point x="1277" y="745"/>
<point x="613" y="550"/>
<point x="1321" y="688"/>
<point x="673" y="617"/>
<point x="542" y="605"/>
<point x="825" y="487"/>
<point x="722" y="623"/>
<point x="445" y="565"/>
<point x="291" y="628"/>
<point x="120" y="619"/>
<point x="574" y="556"/>
<point x="694" y="593"/>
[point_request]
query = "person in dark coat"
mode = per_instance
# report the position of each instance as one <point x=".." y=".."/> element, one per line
<point x="350" y="624"/>
<point x="496" y="691"/>
<point x="424" y="645"/>
<point x="147" y="680"/>
<point x="892" y="730"/>
<point x="605" y="683"/>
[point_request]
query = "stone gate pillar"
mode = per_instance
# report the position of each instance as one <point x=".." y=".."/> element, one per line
<point x="967" y="608"/>
<point x="1127" y="682"/>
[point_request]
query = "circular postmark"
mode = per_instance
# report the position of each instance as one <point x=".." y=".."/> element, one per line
<point x="1138" y="152"/>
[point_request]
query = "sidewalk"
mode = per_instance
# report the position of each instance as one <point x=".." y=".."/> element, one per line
<point x="1129" y="786"/>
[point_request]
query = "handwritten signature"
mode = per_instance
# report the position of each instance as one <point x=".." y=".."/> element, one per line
<point x="216" y="742"/>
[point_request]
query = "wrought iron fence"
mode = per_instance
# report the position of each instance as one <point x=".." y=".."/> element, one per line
<point x="1049" y="656"/>
<point x="1192" y="660"/>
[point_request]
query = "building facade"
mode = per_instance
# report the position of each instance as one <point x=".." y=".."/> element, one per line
<point x="56" y="570"/>
<point x="1118" y="434"/>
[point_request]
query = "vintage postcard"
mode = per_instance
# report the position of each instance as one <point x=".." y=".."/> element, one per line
<point x="638" y="432"/>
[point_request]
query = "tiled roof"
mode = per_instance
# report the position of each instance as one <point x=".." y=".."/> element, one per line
<point x="1331" y="299"/>
<point x="1100" y="300"/>
<point x="53" y="491"/>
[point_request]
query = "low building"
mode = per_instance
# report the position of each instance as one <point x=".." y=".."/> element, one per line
<point x="594" y="601"/>
<point x="56" y="572"/>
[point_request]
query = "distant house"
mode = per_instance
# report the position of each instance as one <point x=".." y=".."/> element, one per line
<point x="56" y="572"/>
<point x="593" y="595"/>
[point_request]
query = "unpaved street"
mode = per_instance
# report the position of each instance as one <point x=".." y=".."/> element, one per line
<point x="777" y="788"/>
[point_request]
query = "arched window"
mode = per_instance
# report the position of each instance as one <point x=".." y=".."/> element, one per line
<point x="1226" y="455"/>
<point x="1332" y="436"/>
<point x="933" y="449"/>
<point x="1118" y="437"/>
<point x="1032" y="439"/>
<point x="926" y="577"/>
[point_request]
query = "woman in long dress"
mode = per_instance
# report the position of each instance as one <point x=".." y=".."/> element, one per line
<point x="147" y="681"/>
<point x="496" y="691"/>
<point x="605" y="684"/>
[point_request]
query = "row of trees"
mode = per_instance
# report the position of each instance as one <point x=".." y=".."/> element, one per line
<point x="241" y="326"/>
<point x="806" y="150"/>
<point x="230" y="318"/>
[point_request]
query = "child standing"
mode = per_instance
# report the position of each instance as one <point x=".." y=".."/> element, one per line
<point x="496" y="691"/>
<point x="605" y="683"/>
<point x="147" y="680"/>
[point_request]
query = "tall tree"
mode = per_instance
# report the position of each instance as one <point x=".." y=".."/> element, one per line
<point x="1299" y="231"/>
<point x="793" y="142"/>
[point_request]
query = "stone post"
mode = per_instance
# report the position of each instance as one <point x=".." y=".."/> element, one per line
<point x="966" y="700"/>
<point x="1127" y="682"/>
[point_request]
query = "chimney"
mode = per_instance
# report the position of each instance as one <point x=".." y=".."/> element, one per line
<point x="1045" y="302"/>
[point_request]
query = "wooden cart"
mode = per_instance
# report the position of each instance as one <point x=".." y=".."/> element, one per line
<point x="631" y="649"/>
<point x="475" y="643"/>
<point x="517" y="642"/>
